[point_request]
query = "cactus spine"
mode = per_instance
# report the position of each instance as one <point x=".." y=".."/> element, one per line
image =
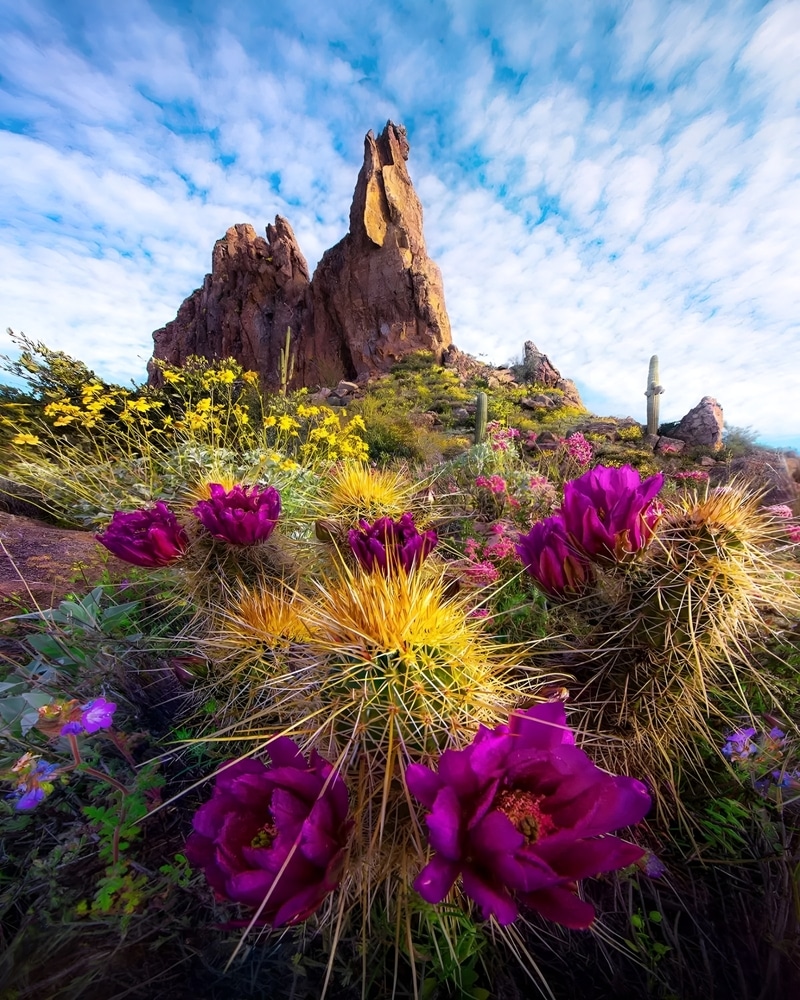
<point x="481" y="412"/>
<point x="286" y="366"/>
<point x="652" y="392"/>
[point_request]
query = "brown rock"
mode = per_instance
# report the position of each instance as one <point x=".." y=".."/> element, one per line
<point x="765" y="471"/>
<point x="539" y="371"/>
<point x="375" y="297"/>
<point x="670" y="445"/>
<point x="377" y="292"/>
<point x="702" y="426"/>
<point x="256" y="290"/>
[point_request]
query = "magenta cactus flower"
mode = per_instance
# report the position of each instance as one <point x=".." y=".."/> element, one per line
<point x="150" y="537"/>
<point x="521" y="814"/>
<point x="551" y="559"/>
<point x="388" y="545"/>
<point x="609" y="512"/>
<point x="240" y="516"/>
<point x="274" y="838"/>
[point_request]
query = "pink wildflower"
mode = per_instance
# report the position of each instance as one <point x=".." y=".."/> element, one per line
<point x="481" y="574"/>
<point x="779" y="510"/>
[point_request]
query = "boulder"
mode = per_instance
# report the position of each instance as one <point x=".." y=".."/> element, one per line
<point x="670" y="446"/>
<point x="765" y="471"/>
<point x="702" y="426"/>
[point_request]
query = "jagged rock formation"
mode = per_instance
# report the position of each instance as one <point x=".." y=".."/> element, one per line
<point x="378" y="287"/>
<point x="702" y="426"/>
<point x="257" y="288"/>
<point x="538" y="370"/>
<point x="375" y="297"/>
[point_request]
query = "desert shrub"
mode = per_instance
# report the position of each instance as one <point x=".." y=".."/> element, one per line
<point x="738" y="441"/>
<point x="389" y="439"/>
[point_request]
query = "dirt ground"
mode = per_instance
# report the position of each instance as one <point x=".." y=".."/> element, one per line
<point x="40" y="564"/>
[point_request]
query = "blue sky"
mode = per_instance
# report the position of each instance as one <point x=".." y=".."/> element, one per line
<point x="609" y="180"/>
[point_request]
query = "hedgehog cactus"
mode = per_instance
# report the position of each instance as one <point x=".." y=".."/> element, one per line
<point x="652" y="392"/>
<point x="481" y="414"/>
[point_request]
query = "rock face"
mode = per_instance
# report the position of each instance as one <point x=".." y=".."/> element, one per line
<point x="377" y="291"/>
<point x="375" y="296"/>
<point x="257" y="288"/>
<point x="702" y="426"/>
<point x="538" y="370"/>
<point x="767" y="472"/>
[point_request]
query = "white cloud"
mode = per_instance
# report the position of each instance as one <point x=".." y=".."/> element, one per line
<point x="608" y="182"/>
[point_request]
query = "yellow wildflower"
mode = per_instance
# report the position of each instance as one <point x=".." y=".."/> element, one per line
<point x="203" y="405"/>
<point x="25" y="439"/>
<point x="270" y="421"/>
<point x="226" y="377"/>
<point x="251" y="378"/>
<point x="286" y="423"/>
<point x="173" y="378"/>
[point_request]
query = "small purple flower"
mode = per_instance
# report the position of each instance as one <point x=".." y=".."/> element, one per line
<point x="521" y="814"/>
<point x="240" y="516"/>
<point x="740" y="744"/>
<point x="150" y="537"/>
<point x="653" y="866"/>
<point x="34" y="782"/>
<point x="97" y="715"/>
<point x="274" y="835"/>
<point x="388" y="545"/>
<point x="71" y="729"/>
<point x="609" y="512"/>
<point x="548" y="555"/>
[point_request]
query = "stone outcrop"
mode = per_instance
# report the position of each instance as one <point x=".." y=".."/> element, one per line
<point x="377" y="290"/>
<point x="702" y="426"/>
<point x="766" y="472"/>
<point x="375" y="297"/>
<point x="257" y="288"/>
<point x="538" y="370"/>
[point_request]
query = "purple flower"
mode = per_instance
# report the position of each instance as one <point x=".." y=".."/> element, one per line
<point x="608" y="512"/>
<point x="551" y="559"/>
<point x="150" y="537"/>
<point x="243" y="515"/>
<point x="520" y="815"/>
<point x="389" y="545"/>
<point x="34" y="782"/>
<point x="98" y="715"/>
<point x="740" y="744"/>
<point x="71" y="729"/>
<point x="274" y="835"/>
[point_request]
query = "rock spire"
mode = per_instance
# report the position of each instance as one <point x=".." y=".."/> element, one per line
<point x="374" y="297"/>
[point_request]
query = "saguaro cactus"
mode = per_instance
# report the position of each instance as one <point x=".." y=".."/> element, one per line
<point x="286" y="365"/>
<point x="652" y="392"/>
<point x="481" y="412"/>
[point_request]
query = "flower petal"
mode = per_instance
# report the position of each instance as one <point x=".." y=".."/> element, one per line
<point x="561" y="906"/>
